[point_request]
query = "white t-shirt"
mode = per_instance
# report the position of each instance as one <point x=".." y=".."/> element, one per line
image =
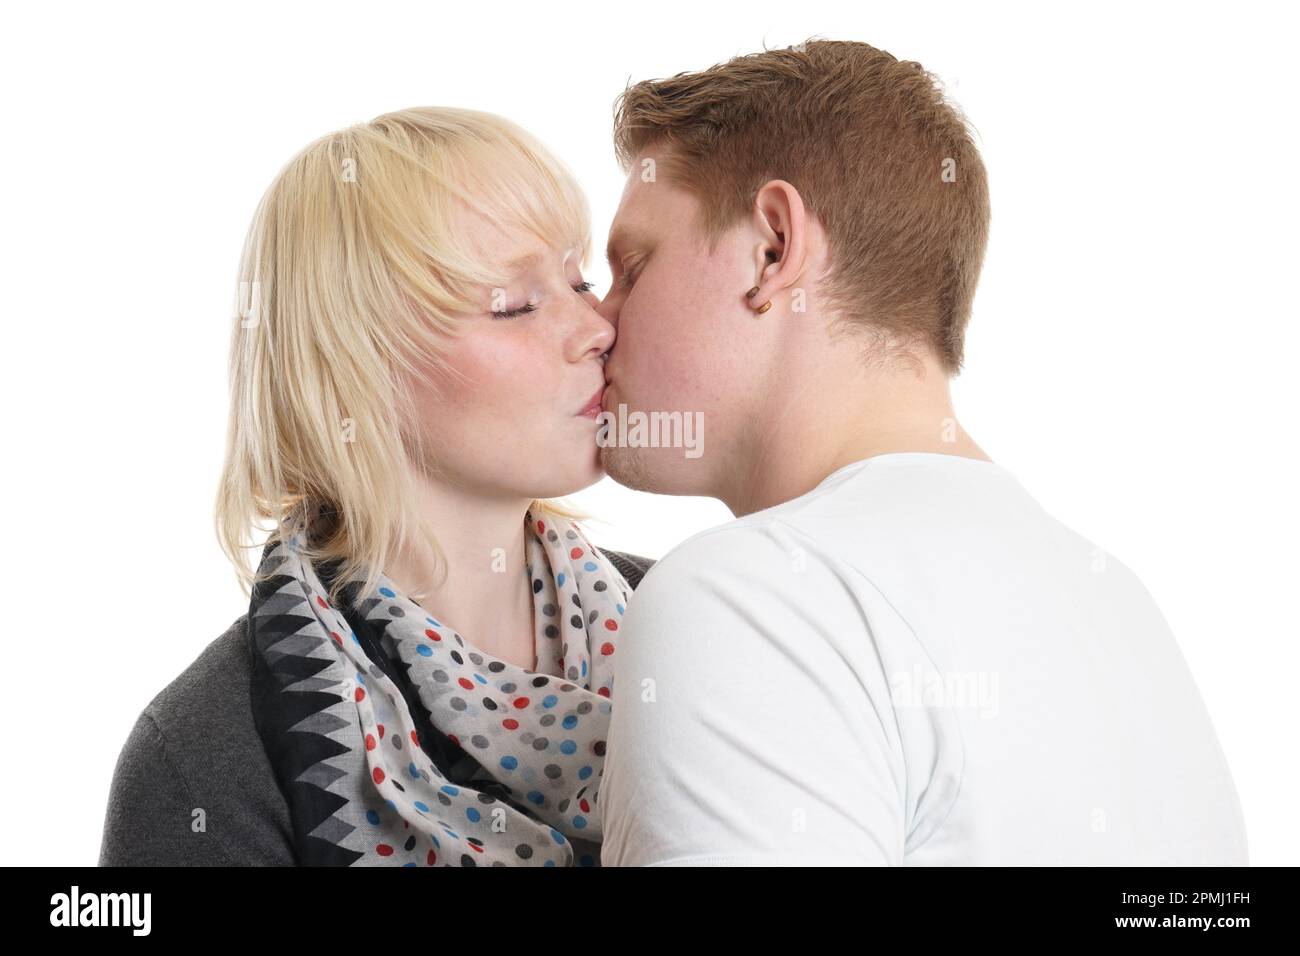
<point x="911" y="664"/>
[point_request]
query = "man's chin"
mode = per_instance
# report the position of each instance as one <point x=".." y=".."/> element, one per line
<point x="629" y="467"/>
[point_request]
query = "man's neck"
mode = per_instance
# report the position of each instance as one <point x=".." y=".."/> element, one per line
<point x="821" y="423"/>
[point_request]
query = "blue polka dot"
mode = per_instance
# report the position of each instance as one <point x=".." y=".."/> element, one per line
<point x="557" y="836"/>
<point x="408" y="864"/>
<point x="509" y="763"/>
<point x="391" y="806"/>
<point x="620" y="608"/>
<point x="584" y="773"/>
<point x="413" y="770"/>
<point x="559" y="580"/>
<point x="433" y="622"/>
<point x="550" y="700"/>
<point x="535" y="796"/>
<point x="568" y="747"/>
<point x="372" y="818"/>
<point x="424" y="650"/>
<point x="449" y="790"/>
<point x="549" y="863"/>
<point x="584" y="668"/>
<point x="569" y="722"/>
<point x="580" y="822"/>
<point x="361" y="679"/>
<point x="473" y="814"/>
<point x="421" y="806"/>
<point x="480" y="678"/>
<point x="387" y="592"/>
<point x="589" y="566"/>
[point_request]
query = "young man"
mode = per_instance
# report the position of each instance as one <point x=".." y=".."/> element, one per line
<point x="894" y="655"/>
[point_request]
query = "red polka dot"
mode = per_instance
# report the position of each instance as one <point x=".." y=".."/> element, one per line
<point x="607" y="648"/>
<point x="466" y="683"/>
<point x="337" y="640"/>
<point x="381" y="731"/>
<point x="415" y="738"/>
<point x="603" y="692"/>
<point x="360" y="694"/>
<point x="432" y="858"/>
<point x="475" y="847"/>
<point x="321" y="601"/>
<point x="520" y="703"/>
<point x="383" y="849"/>
<point x="586" y="807"/>
<point x="378" y="775"/>
<point x="371" y="744"/>
<point x="432" y="635"/>
<point x="575" y="553"/>
<point x="510" y="724"/>
<point x="611" y="624"/>
<point x="454" y="739"/>
<point x="540" y="527"/>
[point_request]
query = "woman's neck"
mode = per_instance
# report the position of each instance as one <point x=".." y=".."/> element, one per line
<point x="485" y="594"/>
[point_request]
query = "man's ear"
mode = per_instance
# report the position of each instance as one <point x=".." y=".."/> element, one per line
<point x="781" y="222"/>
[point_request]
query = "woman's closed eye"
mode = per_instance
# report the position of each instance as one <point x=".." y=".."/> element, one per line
<point x="580" y="288"/>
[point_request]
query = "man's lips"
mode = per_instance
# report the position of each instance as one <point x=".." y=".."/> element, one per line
<point x="593" y="407"/>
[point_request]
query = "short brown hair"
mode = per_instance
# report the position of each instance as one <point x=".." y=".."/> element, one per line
<point x="866" y="139"/>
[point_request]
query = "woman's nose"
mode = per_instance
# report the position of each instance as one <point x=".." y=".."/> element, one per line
<point x="595" y="335"/>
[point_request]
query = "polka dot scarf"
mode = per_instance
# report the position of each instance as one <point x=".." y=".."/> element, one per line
<point x="397" y="742"/>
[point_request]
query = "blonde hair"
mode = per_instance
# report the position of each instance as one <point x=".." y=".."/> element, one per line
<point x="349" y="283"/>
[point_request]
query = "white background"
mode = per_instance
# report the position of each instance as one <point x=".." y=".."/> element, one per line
<point x="1131" y="357"/>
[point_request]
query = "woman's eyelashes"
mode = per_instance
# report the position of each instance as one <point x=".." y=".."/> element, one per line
<point x="581" y="288"/>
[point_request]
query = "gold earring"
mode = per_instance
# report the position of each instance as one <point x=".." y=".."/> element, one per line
<point x="764" y="307"/>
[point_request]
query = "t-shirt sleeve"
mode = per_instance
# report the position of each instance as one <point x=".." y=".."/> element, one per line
<point x="751" y="722"/>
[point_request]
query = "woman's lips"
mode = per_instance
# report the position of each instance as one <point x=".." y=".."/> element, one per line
<point x="593" y="407"/>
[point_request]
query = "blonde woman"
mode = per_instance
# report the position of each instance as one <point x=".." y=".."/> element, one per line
<point x="423" y="676"/>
